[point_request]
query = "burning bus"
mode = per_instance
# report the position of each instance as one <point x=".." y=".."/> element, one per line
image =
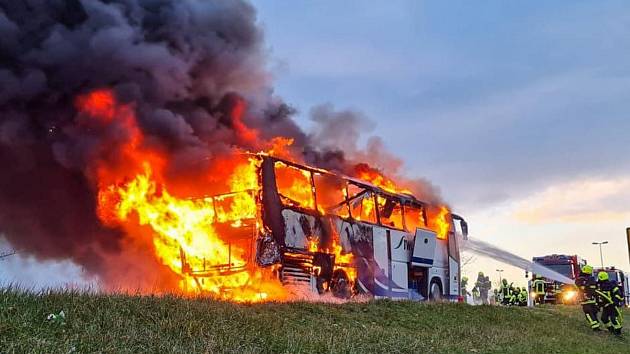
<point x="140" y="164"/>
<point x="286" y="224"/>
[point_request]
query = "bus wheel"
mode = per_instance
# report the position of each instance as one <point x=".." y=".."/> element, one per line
<point x="340" y="285"/>
<point x="435" y="290"/>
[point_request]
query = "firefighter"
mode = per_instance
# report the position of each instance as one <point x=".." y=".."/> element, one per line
<point x="465" y="292"/>
<point x="587" y="287"/>
<point x="539" y="290"/>
<point x="522" y="297"/>
<point x="475" y="295"/>
<point x="483" y="287"/>
<point x="487" y="287"/>
<point x="514" y="296"/>
<point x="609" y="299"/>
<point x="505" y="292"/>
<point x="497" y="297"/>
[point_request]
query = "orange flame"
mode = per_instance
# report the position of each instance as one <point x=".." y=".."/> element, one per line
<point x="100" y="104"/>
<point x="440" y="223"/>
<point x="207" y="241"/>
<point x="375" y="177"/>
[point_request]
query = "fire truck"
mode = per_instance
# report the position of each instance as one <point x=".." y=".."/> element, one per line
<point x="619" y="277"/>
<point x="344" y="236"/>
<point x="569" y="266"/>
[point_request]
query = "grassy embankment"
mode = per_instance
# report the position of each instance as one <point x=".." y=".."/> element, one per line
<point x="122" y="323"/>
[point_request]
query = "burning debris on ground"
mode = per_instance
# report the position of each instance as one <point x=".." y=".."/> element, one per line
<point x="144" y="143"/>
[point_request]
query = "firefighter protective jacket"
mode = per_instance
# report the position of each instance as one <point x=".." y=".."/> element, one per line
<point x="588" y="288"/>
<point x="505" y="290"/>
<point x="608" y="293"/>
<point x="539" y="286"/>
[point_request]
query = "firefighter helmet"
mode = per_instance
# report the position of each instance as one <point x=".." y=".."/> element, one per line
<point x="602" y="276"/>
<point x="481" y="274"/>
<point x="504" y="281"/>
<point x="587" y="269"/>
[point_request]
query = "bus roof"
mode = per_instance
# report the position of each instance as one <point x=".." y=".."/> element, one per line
<point x="405" y="197"/>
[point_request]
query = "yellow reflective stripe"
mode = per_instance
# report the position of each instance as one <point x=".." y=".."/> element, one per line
<point x="619" y="314"/>
<point x="604" y="295"/>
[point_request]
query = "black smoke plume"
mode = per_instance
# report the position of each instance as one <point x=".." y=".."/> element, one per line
<point x="184" y="65"/>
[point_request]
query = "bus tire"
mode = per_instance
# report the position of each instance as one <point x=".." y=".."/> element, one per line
<point x="435" y="290"/>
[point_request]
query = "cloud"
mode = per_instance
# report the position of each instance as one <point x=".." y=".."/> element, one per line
<point x="509" y="144"/>
<point x="582" y="201"/>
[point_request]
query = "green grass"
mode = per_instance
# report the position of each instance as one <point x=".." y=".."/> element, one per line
<point x="122" y="323"/>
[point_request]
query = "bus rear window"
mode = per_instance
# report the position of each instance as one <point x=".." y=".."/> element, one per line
<point x="390" y="212"/>
<point x="294" y="186"/>
<point x="330" y="193"/>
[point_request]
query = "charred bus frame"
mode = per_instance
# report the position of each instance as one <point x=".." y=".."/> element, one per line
<point x="301" y="240"/>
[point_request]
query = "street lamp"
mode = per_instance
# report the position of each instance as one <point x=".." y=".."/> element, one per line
<point x="500" y="271"/>
<point x="601" y="257"/>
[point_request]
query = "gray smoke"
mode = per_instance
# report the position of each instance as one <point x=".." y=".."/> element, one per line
<point x="343" y="130"/>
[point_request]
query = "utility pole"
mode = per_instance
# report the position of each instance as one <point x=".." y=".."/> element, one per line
<point x="628" y="236"/>
<point x="601" y="256"/>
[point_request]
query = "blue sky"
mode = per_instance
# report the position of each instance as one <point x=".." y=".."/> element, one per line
<point x="512" y="109"/>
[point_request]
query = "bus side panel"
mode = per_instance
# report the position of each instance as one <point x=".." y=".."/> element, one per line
<point x="359" y="237"/>
<point x="453" y="266"/>
<point x="399" y="257"/>
<point x="381" y="262"/>
<point x="400" y="278"/>
<point x="390" y="277"/>
<point x="440" y="258"/>
<point x="298" y="227"/>
<point x="398" y="246"/>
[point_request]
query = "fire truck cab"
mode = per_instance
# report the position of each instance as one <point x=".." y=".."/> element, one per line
<point x="346" y="236"/>
<point x="569" y="266"/>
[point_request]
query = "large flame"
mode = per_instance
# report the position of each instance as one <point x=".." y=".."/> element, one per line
<point x="439" y="222"/>
<point x="185" y="228"/>
<point x="207" y="241"/>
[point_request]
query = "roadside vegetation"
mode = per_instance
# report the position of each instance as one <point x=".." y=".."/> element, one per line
<point x="67" y="321"/>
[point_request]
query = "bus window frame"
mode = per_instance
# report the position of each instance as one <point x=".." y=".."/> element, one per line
<point x="312" y="211"/>
<point x="400" y="202"/>
<point x="409" y="203"/>
<point x="404" y="200"/>
<point x="364" y="191"/>
<point x="335" y="206"/>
